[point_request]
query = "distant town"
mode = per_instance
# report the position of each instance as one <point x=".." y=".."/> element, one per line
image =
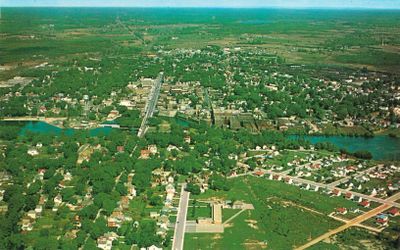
<point x="149" y="129"/>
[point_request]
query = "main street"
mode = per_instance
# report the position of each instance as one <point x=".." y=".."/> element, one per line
<point x="180" y="224"/>
<point x="151" y="104"/>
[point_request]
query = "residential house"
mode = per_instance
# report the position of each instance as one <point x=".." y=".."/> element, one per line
<point x="336" y="192"/>
<point x="33" y="152"/>
<point x="152" y="149"/>
<point x="341" y="210"/>
<point x="394" y="212"/>
<point x="26" y="224"/>
<point x="349" y="196"/>
<point x="365" y="203"/>
<point x="144" y="154"/>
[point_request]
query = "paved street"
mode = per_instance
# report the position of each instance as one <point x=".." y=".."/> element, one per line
<point x="328" y="187"/>
<point x="151" y="104"/>
<point x="352" y="222"/>
<point x="180" y="225"/>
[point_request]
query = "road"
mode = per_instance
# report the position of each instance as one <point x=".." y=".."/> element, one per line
<point x="347" y="178"/>
<point x="352" y="222"/>
<point x="151" y="104"/>
<point x="180" y="225"/>
<point x="330" y="188"/>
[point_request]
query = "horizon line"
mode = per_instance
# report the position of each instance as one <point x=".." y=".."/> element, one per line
<point x="206" y="7"/>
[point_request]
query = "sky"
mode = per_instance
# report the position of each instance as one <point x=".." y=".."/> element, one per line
<point x="379" y="4"/>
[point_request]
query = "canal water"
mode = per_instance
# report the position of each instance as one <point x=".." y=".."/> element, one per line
<point x="43" y="127"/>
<point x="381" y="147"/>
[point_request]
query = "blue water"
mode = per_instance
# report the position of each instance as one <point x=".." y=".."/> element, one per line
<point x="381" y="147"/>
<point x="42" y="127"/>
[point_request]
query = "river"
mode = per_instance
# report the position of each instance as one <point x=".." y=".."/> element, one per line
<point x="381" y="147"/>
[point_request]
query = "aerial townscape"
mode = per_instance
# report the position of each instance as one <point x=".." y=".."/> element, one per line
<point x="199" y="128"/>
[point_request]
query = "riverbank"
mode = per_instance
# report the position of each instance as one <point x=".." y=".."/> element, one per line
<point x="54" y="121"/>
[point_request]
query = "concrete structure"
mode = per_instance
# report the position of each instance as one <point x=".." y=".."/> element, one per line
<point x="217" y="213"/>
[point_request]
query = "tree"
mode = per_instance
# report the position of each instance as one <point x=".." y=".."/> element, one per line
<point x="193" y="188"/>
<point x="155" y="200"/>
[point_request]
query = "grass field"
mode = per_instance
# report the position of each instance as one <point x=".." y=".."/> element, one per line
<point x="284" y="216"/>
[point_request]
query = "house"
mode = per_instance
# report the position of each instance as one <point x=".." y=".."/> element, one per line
<point x="154" y="215"/>
<point x="57" y="200"/>
<point x="124" y="202"/>
<point x="26" y="224"/>
<point x="349" y="196"/>
<point x="68" y="176"/>
<point x="153" y="247"/>
<point x="104" y="243"/>
<point x="162" y="232"/>
<point x="288" y="180"/>
<point x="33" y="152"/>
<point x="144" y="154"/>
<point x="31" y="214"/>
<point x="357" y="199"/>
<point x="170" y="188"/>
<point x="336" y="192"/>
<point x="131" y="191"/>
<point x="365" y="203"/>
<point x="188" y="139"/>
<point x="341" y="210"/>
<point x="112" y="223"/>
<point x="41" y="171"/>
<point x="38" y="209"/>
<point x="382" y="217"/>
<point x="172" y="147"/>
<point x="315" y="188"/>
<point x="394" y="212"/>
<point x="259" y="173"/>
<point x="382" y="222"/>
<point x="152" y="149"/>
<point x="277" y="177"/>
<point x="120" y="149"/>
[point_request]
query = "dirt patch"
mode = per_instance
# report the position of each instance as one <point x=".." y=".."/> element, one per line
<point x="254" y="244"/>
<point x="252" y="223"/>
<point x="228" y="225"/>
<point x="286" y="203"/>
<point x="217" y="237"/>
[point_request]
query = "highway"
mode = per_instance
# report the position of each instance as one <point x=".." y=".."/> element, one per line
<point x="352" y="222"/>
<point x="151" y="104"/>
<point x="180" y="225"/>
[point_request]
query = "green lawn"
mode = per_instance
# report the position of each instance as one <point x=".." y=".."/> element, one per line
<point x="228" y="213"/>
<point x="284" y="216"/>
<point x="198" y="211"/>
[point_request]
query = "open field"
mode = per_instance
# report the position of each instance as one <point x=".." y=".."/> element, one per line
<point x="284" y="216"/>
<point x="327" y="37"/>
